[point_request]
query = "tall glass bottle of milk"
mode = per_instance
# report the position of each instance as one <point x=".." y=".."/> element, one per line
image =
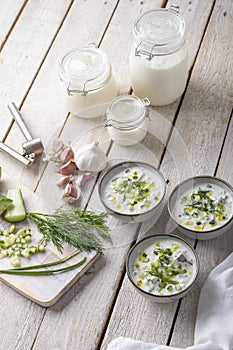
<point x="158" y="59"/>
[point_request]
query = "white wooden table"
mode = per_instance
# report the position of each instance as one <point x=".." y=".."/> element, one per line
<point x="193" y="137"/>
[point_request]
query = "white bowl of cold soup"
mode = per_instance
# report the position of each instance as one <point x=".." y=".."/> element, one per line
<point x="162" y="267"/>
<point x="133" y="190"/>
<point x="202" y="207"/>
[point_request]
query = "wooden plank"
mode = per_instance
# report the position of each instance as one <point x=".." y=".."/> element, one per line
<point x="8" y="15"/>
<point x="225" y="169"/>
<point x="215" y="90"/>
<point x="17" y="73"/>
<point x="121" y="33"/>
<point x="204" y="94"/>
<point x="24" y="51"/>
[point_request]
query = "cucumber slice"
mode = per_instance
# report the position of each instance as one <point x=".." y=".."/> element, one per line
<point x="4" y="203"/>
<point x="16" y="212"/>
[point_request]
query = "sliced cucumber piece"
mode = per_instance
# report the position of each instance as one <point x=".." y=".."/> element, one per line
<point x="4" y="203"/>
<point x="16" y="212"/>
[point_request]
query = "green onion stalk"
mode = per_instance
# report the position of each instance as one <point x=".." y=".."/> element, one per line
<point x="35" y="270"/>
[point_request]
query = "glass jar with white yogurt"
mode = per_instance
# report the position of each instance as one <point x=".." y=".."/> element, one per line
<point x="88" y="84"/>
<point x="158" y="59"/>
<point x="127" y="119"/>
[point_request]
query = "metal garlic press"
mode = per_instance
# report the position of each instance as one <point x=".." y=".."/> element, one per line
<point x="31" y="148"/>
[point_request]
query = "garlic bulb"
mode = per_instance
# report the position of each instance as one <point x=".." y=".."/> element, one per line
<point x="91" y="158"/>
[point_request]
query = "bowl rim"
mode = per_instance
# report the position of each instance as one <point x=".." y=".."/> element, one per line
<point x="218" y="180"/>
<point x="197" y="263"/>
<point x="133" y="214"/>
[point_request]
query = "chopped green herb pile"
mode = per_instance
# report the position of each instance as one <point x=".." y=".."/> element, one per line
<point x="204" y="206"/>
<point x="134" y="190"/>
<point x="165" y="271"/>
<point x="162" y="270"/>
<point x="85" y="230"/>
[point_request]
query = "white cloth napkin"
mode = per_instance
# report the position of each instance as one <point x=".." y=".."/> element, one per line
<point x="214" y="324"/>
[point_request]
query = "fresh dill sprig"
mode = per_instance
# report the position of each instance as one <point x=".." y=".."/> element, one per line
<point x="83" y="229"/>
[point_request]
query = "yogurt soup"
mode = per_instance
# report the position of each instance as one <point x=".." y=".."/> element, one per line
<point x="164" y="268"/>
<point x="205" y="207"/>
<point x="133" y="190"/>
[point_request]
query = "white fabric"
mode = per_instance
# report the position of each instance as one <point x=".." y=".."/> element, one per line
<point x="214" y="324"/>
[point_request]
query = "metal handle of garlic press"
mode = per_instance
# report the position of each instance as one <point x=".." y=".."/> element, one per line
<point x="18" y="118"/>
<point x="27" y="161"/>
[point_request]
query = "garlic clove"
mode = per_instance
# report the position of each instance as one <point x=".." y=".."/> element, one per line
<point x="68" y="168"/>
<point x="60" y="153"/>
<point x="71" y="193"/>
<point x="66" y="154"/>
<point x="82" y="179"/>
<point x="64" y="181"/>
<point x="54" y="153"/>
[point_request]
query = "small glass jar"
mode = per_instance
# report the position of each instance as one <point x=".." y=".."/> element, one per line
<point x="158" y="59"/>
<point x="87" y="81"/>
<point x="127" y="119"/>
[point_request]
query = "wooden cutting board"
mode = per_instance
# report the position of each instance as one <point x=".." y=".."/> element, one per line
<point x="44" y="290"/>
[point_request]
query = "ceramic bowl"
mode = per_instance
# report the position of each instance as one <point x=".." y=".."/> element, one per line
<point x="201" y="207"/>
<point x="162" y="267"/>
<point x="145" y="208"/>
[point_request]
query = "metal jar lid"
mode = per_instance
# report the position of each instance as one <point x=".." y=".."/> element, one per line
<point x="159" y="32"/>
<point x="126" y="112"/>
<point x="84" y="70"/>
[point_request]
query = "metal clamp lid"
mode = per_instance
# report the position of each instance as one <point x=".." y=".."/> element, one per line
<point x="84" y="91"/>
<point x="159" y="32"/>
<point x="84" y="70"/>
<point x="127" y="112"/>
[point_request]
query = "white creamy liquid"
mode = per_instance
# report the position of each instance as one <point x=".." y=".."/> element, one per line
<point x="162" y="79"/>
<point x="156" y="269"/>
<point x="93" y="104"/>
<point x="207" y="212"/>
<point x="128" y="137"/>
<point x="133" y="190"/>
